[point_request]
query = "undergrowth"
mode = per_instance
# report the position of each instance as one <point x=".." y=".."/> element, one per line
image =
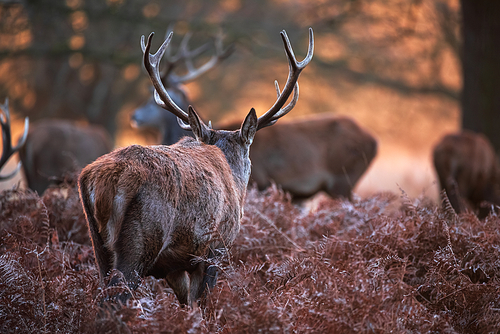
<point x="381" y="264"/>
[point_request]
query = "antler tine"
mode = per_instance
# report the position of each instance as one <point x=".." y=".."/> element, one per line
<point x="186" y="55"/>
<point x="183" y="51"/>
<point x="152" y="64"/>
<point x="219" y="46"/>
<point x="8" y="150"/>
<point x="295" y="68"/>
<point x="182" y="54"/>
<point x="220" y="54"/>
<point x="170" y="29"/>
<point x="283" y="111"/>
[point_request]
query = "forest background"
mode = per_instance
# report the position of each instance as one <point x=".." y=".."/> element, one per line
<point x="398" y="67"/>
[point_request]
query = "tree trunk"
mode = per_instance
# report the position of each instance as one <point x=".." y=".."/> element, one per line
<point x="481" y="68"/>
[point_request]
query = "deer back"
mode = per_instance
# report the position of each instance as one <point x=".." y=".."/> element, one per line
<point x="186" y="182"/>
<point x="322" y="153"/>
<point x="468" y="170"/>
<point x="55" y="149"/>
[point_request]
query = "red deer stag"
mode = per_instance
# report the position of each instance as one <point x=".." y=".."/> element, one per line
<point x="469" y="171"/>
<point x="150" y="115"/>
<point x="159" y="210"/>
<point x="322" y="153"/>
<point x="57" y="148"/>
<point x="7" y="149"/>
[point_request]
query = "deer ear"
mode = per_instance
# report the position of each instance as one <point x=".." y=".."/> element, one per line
<point x="249" y="127"/>
<point x="200" y="130"/>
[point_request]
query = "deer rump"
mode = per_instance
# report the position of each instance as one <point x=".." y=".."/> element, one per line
<point x="468" y="171"/>
<point x="159" y="210"/>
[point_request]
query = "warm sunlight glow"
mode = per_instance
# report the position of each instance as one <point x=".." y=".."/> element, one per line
<point x="29" y="99"/>
<point x="74" y="4"/>
<point x="79" y="21"/>
<point x="131" y="72"/>
<point x="151" y="10"/>
<point x="87" y="73"/>
<point x="76" y="42"/>
<point x="230" y="6"/>
<point x="75" y="60"/>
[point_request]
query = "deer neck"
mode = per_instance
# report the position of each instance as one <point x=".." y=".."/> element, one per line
<point x="239" y="162"/>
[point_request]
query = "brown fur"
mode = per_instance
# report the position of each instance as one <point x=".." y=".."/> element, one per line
<point x="56" y="148"/>
<point x="468" y="170"/>
<point x="319" y="153"/>
<point x="154" y="210"/>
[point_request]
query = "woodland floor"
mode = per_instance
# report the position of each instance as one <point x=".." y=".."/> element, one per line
<point x="380" y="264"/>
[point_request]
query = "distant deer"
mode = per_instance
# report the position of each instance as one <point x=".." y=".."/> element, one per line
<point x="55" y="149"/>
<point x="150" y="115"/>
<point x="162" y="210"/>
<point x="7" y="149"/>
<point x="322" y="153"/>
<point x="469" y="171"/>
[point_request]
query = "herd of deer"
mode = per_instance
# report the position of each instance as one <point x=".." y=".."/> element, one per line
<point x="165" y="210"/>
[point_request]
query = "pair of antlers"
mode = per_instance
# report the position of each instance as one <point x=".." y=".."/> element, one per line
<point x="278" y="110"/>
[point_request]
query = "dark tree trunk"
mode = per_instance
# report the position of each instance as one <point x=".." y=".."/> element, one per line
<point x="481" y="68"/>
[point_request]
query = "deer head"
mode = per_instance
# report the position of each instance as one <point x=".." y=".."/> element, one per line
<point x="150" y="114"/>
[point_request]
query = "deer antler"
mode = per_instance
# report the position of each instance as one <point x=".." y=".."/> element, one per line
<point x="277" y="110"/>
<point x="152" y="64"/>
<point x="186" y="55"/>
<point x="8" y="150"/>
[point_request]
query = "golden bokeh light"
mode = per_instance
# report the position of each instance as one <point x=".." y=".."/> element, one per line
<point x="131" y="72"/>
<point x="29" y="99"/>
<point x="86" y="73"/>
<point x="181" y="27"/>
<point x="151" y="10"/>
<point x="230" y="6"/>
<point x="75" y="60"/>
<point x="329" y="48"/>
<point x="79" y="21"/>
<point x="76" y="42"/>
<point x="20" y="41"/>
<point x="18" y="89"/>
<point x="193" y="90"/>
<point x="74" y="4"/>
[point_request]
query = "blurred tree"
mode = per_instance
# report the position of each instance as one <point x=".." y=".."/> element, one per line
<point x="401" y="44"/>
<point x="79" y="62"/>
<point x="81" y="58"/>
<point x="481" y="68"/>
